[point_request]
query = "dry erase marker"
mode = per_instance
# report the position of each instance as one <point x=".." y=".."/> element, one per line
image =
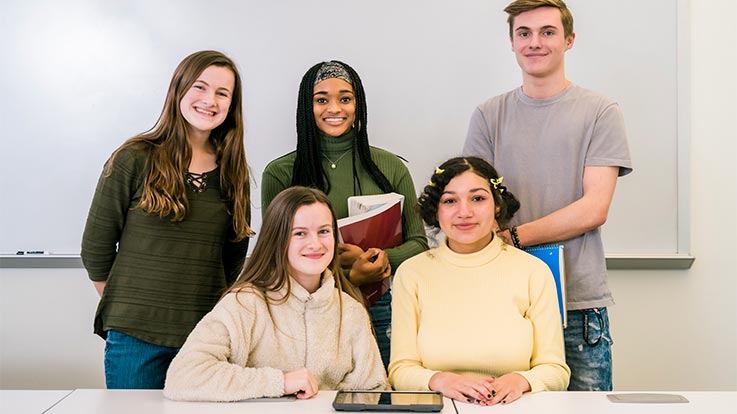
<point x="31" y="252"/>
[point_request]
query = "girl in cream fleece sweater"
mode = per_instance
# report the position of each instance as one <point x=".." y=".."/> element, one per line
<point x="291" y="323"/>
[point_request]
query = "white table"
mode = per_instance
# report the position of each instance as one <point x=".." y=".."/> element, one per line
<point x="29" y="401"/>
<point x="597" y="403"/>
<point x="152" y="401"/>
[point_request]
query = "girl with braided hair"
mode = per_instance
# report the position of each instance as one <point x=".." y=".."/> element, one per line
<point x="475" y="318"/>
<point x="333" y="154"/>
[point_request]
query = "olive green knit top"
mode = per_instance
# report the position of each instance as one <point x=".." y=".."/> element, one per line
<point x="162" y="276"/>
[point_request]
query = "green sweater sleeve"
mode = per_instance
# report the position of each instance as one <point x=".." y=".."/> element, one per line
<point x="234" y="252"/>
<point x="107" y="215"/>
<point x="277" y="176"/>
<point x="413" y="231"/>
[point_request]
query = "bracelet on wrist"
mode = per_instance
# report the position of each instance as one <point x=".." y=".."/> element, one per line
<point x="514" y="236"/>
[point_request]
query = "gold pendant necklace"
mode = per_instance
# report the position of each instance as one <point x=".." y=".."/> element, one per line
<point x="333" y="163"/>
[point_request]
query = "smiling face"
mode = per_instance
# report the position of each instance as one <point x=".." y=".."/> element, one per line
<point x="539" y="42"/>
<point x="466" y="213"/>
<point x="334" y="106"/>
<point x="205" y="105"/>
<point x="311" y="244"/>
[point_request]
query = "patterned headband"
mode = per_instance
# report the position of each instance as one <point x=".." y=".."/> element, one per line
<point x="332" y="70"/>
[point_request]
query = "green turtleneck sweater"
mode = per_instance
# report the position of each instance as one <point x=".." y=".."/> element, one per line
<point x="278" y="175"/>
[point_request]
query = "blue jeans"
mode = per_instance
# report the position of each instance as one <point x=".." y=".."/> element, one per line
<point x="134" y="364"/>
<point x="381" y="318"/>
<point x="589" y="350"/>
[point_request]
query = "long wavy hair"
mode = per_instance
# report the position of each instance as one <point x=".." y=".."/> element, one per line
<point x="307" y="170"/>
<point x="267" y="268"/>
<point x="164" y="189"/>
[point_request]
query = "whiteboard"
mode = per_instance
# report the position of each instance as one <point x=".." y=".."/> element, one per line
<point x="81" y="76"/>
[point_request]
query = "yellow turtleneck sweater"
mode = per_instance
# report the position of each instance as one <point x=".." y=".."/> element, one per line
<point x="483" y="314"/>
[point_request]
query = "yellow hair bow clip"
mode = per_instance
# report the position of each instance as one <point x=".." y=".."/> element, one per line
<point x="439" y="170"/>
<point x="497" y="183"/>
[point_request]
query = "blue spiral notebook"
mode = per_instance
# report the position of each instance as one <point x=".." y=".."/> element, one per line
<point x="552" y="255"/>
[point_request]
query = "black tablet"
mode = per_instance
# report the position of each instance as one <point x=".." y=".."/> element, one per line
<point x="422" y="401"/>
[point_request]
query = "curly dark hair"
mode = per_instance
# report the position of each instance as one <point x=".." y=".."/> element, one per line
<point x="428" y="202"/>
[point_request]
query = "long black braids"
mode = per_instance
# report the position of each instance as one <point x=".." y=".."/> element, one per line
<point x="308" y="169"/>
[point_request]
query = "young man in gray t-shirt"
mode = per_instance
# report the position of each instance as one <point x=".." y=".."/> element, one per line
<point x="560" y="149"/>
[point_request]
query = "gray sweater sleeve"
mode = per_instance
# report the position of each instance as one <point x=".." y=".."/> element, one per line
<point x="478" y="139"/>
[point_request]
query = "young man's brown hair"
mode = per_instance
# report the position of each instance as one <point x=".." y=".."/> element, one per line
<point x="518" y="7"/>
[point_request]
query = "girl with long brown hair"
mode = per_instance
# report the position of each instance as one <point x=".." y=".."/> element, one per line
<point x="168" y="228"/>
<point x="291" y="323"/>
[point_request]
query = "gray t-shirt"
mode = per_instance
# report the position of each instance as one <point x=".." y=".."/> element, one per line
<point x="540" y="147"/>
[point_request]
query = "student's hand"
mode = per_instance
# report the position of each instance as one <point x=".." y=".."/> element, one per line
<point x="371" y="266"/>
<point x="463" y="388"/>
<point x="508" y="388"/>
<point x="348" y="254"/>
<point x="301" y="383"/>
<point x="99" y="287"/>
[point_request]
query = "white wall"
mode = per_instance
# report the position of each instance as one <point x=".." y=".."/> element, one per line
<point x="678" y="329"/>
<point x="673" y="329"/>
<point x="46" y="339"/>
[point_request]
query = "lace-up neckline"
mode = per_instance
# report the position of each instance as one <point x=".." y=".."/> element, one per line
<point x="197" y="182"/>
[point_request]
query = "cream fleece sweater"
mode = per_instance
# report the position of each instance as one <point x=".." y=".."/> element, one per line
<point x="482" y="314"/>
<point x="242" y="348"/>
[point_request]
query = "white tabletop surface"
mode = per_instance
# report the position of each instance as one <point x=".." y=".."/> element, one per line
<point x="29" y="401"/>
<point x="597" y="403"/>
<point x="152" y="401"/>
<point x="84" y="401"/>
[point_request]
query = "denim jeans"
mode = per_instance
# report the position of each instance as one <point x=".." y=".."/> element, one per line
<point x="381" y="318"/>
<point x="134" y="364"/>
<point x="589" y="350"/>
